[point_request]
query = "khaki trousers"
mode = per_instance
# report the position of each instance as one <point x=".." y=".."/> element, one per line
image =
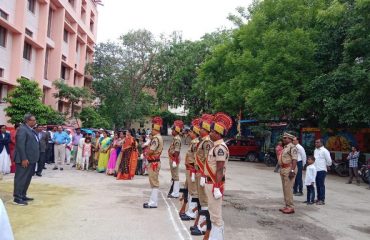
<point x="153" y="175"/>
<point x="287" y="184"/>
<point x="203" y="200"/>
<point x="174" y="172"/>
<point x="214" y="207"/>
<point x="59" y="154"/>
<point x="192" y="186"/>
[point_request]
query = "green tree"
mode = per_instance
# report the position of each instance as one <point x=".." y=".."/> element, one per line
<point x="178" y="63"/>
<point x="122" y="77"/>
<point x="73" y="96"/>
<point x="91" y="118"/>
<point x="26" y="98"/>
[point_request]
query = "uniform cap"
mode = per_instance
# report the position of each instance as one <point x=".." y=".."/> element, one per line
<point x="288" y="135"/>
<point x="178" y="125"/>
<point x="157" y="123"/>
<point x="206" y="122"/>
<point x="195" y="125"/>
<point x="222" y="123"/>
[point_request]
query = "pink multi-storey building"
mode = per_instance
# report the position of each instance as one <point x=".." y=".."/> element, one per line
<point x="46" y="40"/>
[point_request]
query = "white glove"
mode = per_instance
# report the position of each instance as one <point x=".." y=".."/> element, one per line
<point x="174" y="164"/>
<point x="192" y="177"/>
<point x="217" y="193"/>
<point x="202" y="181"/>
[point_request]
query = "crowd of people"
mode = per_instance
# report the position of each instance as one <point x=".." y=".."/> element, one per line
<point x="292" y="159"/>
<point x="124" y="153"/>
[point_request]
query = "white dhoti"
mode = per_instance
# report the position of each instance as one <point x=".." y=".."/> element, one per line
<point x="4" y="162"/>
<point x="6" y="232"/>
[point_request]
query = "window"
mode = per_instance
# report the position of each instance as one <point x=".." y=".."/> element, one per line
<point x="3" y="14"/>
<point x="27" y="50"/>
<point x="47" y="52"/>
<point x="92" y="26"/>
<point x="3" y="33"/>
<point x="29" y="32"/>
<point x="1" y="72"/>
<point x="65" y="36"/>
<point x="72" y="2"/>
<point x="74" y="79"/>
<point x="50" y="17"/>
<point x="60" y="106"/>
<point x="63" y="72"/>
<point x="31" y="5"/>
<point x="77" y="46"/>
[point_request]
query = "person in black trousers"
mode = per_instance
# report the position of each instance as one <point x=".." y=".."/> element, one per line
<point x="26" y="155"/>
<point x="44" y="140"/>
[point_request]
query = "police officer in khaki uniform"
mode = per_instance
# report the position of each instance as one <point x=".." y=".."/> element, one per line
<point x="215" y="169"/>
<point x="174" y="159"/>
<point x="154" y="162"/>
<point x="288" y="164"/>
<point x="190" y="183"/>
<point x="202" y="224"/>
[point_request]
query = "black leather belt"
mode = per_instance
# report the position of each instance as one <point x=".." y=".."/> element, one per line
<point x="210" y="179"/>
<point x="153" y="161"/>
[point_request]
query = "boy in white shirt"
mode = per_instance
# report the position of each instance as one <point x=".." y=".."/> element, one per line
<point x="310" y="180"/>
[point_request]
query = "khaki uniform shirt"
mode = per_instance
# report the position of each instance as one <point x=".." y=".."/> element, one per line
<point x="190" y="155"/>
<point x="290" y="152"/>
<point x="156" y="145"/>
<point x="219" y="153"/>
<point x="175" y="145"/>
<point x="202" y="150"/>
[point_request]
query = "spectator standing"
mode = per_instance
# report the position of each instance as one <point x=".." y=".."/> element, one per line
<point x="298" y="184"/>
<point x="278" y="151"/>
<point x="50" y="148"/>
<point x="69" y="147"/>
<point x="353" y="165"/>
<point x="60" y="139"/>
<point x="5" y="161"/>
<point x="26" y="155"/>
<point x="322" y="162"/>
<point x="86" y="153"/>
<point x="75" y="141"/>
<point x="43" y="140"/>
<point x="310" y="180"/>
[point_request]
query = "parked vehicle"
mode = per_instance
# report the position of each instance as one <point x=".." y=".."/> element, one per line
<point x="364" y="173"/>
<point x="245" y="149"/>
<point x="270" y="158"/>
<point x="341" y="167"/>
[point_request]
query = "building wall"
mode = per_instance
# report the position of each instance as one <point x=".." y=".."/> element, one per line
<point x="44" y="29"/>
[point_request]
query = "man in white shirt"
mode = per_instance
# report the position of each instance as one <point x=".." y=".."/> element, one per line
<point x="322" y="162"/>
<point x="301" y="162"/>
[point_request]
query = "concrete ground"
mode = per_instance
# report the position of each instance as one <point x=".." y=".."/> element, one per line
<point x="86" y="205"/>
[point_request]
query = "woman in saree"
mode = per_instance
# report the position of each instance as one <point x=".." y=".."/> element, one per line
<point x="114" y="152"/>
<point x="104" y="148"/>
<point x="127" y="167"/>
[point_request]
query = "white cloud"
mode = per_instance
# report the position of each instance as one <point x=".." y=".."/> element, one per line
<point x="193" y="18"/>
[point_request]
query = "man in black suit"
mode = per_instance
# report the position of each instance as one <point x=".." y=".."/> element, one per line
<point x="26" y="155"/>
<point x="43" y="140"/>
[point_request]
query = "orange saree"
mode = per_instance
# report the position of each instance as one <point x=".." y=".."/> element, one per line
<point x="127" y="167"/>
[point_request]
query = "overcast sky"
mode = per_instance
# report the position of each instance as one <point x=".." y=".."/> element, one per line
<point x="193" y="18"/>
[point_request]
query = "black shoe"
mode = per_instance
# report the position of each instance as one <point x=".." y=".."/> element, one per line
<point x="19" y="202"/>
<point x="185" y="217"/>
<point x="44" y="168"/>
<point x="61" y="169"/>
<point x="320" y="203"/>
<point x="305" y="202"/>
<point x="197" y="232"/>
<point x="310" y="203"/>
<point x="170" y="196"/>
<point x="39" y="174"/>
<point x="27" y="199"/>
<point x="55" y="168"/>
<point x="192" y="228"/>
<point x="298" y="194"/>
<point x="146" y="205"/>
<point x="74" y="165"/>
